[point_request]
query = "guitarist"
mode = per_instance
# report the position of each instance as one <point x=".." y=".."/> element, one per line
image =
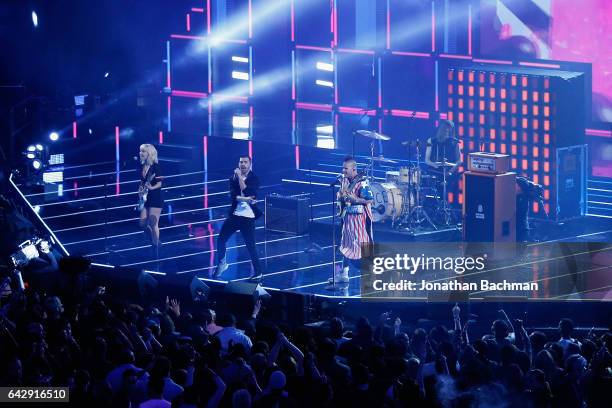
<point x="150" y="179"/>
<point x="355" y="199"/>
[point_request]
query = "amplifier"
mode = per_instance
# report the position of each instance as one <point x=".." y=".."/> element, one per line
<point x="489" y="207"/>
<point x="483" y="162"/>
<point x="287" y="213"/>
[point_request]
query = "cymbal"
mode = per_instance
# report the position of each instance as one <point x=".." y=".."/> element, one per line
<point x="370" y="134"/>
<point x="445" y="164"/>
<point x="382" y="159"/>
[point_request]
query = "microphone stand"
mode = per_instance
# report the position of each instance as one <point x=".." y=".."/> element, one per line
<point x="333" y="285"/>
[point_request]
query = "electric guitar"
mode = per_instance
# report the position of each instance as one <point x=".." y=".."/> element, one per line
<point x="143" y="191"/>
<point x="343" y="203"/>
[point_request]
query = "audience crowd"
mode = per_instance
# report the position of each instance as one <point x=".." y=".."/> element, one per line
<point x="114" y="353"/>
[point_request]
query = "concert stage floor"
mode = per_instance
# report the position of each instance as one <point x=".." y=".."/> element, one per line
<point x="94" y="216"/>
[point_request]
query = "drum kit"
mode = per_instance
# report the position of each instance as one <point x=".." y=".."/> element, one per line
<point x="409" y="197"/>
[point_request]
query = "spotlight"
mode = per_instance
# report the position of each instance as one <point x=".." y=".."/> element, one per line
<point x="30" y="155"/>
<point x="39" y="147"/>
<point x="31" y="148"/>
<point x="236" y="58"/>
<point x="240" y="122"/>
<point x="37" y="164"/>
<point x="37" y="209"/>
<point x="53" y="136"/>
<point x="34" y="19"/>
<point x="324" y="66"/>
<point x="240" y="75"/>
<point x="106" y="74"/>
<point x="321" y="82"/>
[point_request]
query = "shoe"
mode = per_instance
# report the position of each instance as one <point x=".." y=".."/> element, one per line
<point x="256" y="277"/>
<point x="221" y="267"/>
<point x="342" y="277"/>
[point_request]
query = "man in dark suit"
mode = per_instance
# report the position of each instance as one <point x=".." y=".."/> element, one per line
<point x="244" y="185"/>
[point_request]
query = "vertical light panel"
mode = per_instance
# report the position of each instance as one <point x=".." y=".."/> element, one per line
<point x="117" y="162"/>
<point x="433" y="26"/>
<point x="74" y="130"/>
<point x="388" y="25"/>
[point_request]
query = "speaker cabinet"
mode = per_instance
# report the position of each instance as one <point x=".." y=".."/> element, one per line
<point x="287" y="214"/>
<point x="489" y="207"/>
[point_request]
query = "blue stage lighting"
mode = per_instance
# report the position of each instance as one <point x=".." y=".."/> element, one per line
<point x="53" y="136"/>
<point x="31" y="148"/>
<point x="34" y="19"/>
<point x="37" y="164"/>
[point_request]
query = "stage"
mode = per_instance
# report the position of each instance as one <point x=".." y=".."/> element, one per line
<point x="94" y="217"/>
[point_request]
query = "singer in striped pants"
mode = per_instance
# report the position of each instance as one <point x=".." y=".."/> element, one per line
<point x="356" y="198"/>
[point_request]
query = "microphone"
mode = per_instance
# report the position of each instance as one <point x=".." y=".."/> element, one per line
<point x="336" y="181"/>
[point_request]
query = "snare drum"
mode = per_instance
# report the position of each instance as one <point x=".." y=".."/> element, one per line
<point x="387" y="203"/>
<point x="392" y="177"/>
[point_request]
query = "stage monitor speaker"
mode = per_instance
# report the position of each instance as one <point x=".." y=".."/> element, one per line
<point x="570" y="183"/>
<point x="287" y="214"/>
<point x="254" y="290"/>
<point x="184" y="287"/>
<point x="125" y="282"/>
<point x="489" y="207"/>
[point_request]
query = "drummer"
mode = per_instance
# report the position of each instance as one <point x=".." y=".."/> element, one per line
<point x="443" y="151"/>
<point x="443" y="147"/>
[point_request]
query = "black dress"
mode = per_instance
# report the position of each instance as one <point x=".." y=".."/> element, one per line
<point x="155" y="197"/>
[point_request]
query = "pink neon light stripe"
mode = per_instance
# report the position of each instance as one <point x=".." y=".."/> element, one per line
<point x="470" y="29"/>
<point x="117" y="185"/>
<point x="490" y="61"/>
<point x="467" y="57"/>
<point x="169" y="105"/>
<point x="598" y="132"/>
<point x="331" y="21"/>
<point x="407" y="113"/>
<point x="411" y="54"/>
<point x="197" y="10"/>
<point x="539" y="65"/>
<point x="433" y="28"/>
<point x="353" y="51"/>
<point x="297" y="156"/>
<point x="205" y="151"/>
<point x="189" y="94"/>
<point x="188" y="21"/>
<point x="74" y="130"/>
<point x="335" y="25"/>
<point x="251" y="149"/>
<point x="356" y="111"/>
<point x="161" y="137"/>
<point x="187" y="37"/>
<point x="314" y="106"/>
<point x="443" y="115"/>
<point x="75" y="186"/>
<point x="310" y="47"/>
<point x="208" y="16"/>
<point x="292" y="21"/>
<point x="388" y="26"/>
<point x="250" y="19"/>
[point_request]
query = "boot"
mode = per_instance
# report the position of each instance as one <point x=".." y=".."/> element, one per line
<point x="342" y="276"/>
<point x="221" y="267"/>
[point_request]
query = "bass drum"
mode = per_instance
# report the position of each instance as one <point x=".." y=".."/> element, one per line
<point x="387" y="203"/>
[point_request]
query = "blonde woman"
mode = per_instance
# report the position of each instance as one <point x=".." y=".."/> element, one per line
<point x="151" y="178"/>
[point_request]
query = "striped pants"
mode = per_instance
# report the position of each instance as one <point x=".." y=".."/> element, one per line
<point x="354" y="234"/>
